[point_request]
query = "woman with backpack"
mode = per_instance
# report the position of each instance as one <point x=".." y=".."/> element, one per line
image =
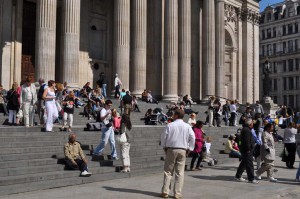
<point x="13" y="104"/>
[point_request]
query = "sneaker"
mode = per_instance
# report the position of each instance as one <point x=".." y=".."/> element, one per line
<point x="86" y="174"/>
<point x="253" y="181"/>
<point x="241" y="179"/>
<point x="273" y="179"/>
<point x="115" y="158"/>
<point x="258" y="177"/>
<point x="164" y="195"/>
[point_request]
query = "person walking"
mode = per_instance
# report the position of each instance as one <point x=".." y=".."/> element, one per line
<point x="267" y="154"/>
<point x="118" y="85"/>
<point x="102" y="82"/>
<point x="233" y="113"/>
<point x="178" y="139"/>
<point x="27" y="100"/>
<point x="290" y="144"/>
<point x="52" y="112"/>
<point x="13" y="104"/>
<point x="125" y="147"/>
<point x="107" y="132"/>
<point x="127" y="103"/>
<point x="198" y="146"/>
<point x="226" y="112"/>
<point x="41" y="102"/>
<point x="246" y="149"/>
<point x="211" y="111"/>
<point x="68" y="107"/>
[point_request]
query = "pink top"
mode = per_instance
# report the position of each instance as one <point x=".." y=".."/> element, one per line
<point x="117" y="122"/>
<point x="198" y="140"/>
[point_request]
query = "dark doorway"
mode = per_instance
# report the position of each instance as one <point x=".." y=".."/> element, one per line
<point x="28" y="39"/>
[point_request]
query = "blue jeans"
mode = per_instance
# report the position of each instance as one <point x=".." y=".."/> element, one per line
<point x="235" y="154"/>
<point x="107" y="135"/>
<point x="104" y="90"/>
<point x="226" y="118"/>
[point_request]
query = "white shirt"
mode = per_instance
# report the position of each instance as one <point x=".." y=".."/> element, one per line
<point x="232" y="108"/>
<point x="207" y="145"/>
<point x="178" y="134"/>
<point x="103" y="113"/>
<point x="289" y="135"/>
<point x="117" y="80"/>
<point x="192" y="121"/>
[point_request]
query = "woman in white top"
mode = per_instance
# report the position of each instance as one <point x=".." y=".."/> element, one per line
<point x="28" y="98"/>
<point x="52" y="112"/>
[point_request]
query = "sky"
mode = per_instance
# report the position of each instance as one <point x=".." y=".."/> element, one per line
<point x="264" y="3"/>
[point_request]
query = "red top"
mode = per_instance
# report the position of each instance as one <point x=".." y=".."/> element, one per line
<point x="198" y="140"/>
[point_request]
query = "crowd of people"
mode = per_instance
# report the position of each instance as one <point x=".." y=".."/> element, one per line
<point x="54" y="101"/>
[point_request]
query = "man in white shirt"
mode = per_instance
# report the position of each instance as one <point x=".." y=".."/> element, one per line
<point x="178" y="139"/>
<point x="107" y="132"/>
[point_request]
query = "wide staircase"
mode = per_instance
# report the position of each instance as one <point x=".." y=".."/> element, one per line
<point x="33" y="160"/>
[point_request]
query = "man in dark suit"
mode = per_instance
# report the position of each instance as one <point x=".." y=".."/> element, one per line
<point x="246" y="149"/>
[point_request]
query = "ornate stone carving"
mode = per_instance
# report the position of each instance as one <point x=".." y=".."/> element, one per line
<point x="250" y="16"/>
<point x="230" y="13"/>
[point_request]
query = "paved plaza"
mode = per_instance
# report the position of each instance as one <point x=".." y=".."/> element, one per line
<point x="210" y="183"/>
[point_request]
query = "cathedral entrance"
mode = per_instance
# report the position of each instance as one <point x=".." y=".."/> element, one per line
<point x="230" y="68"/>
<point x="28" y="40"/>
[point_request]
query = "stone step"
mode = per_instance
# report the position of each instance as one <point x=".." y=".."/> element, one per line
<point x="30" y="170"/>
<point x="27" y="163"/>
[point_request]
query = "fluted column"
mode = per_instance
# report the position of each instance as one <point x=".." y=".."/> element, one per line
<point x="45" y="39"/>
<point x="184" y="47"/>
<point x="70" y="42"/>
<point x="220" y="47"/>
<point x="208" y="48"/>
<point x="139" y="46"/>
<point x="171" y="50"/>
<point x="122" y="40"/>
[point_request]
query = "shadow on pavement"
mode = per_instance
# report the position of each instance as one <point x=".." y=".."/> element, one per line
<point x="149" y="193"/>
<point x="222" y="178"/>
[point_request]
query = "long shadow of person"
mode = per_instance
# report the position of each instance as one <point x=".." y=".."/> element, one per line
<point x="125" y="190"/>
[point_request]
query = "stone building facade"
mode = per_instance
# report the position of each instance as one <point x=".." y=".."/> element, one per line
<point x="172" y="47"/>
<point x="279" y="43"/>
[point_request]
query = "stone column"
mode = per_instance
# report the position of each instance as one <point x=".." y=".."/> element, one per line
<point x="70" y="41"/>
<point x="256" y="75"/>
<point x="122" y="40"/>
<point x="45" y="39"/>
<point x="220" y="47"/>
<point x="208" y="48"/>
<point x="139" y="50"/>
<point x="184" y="83"/>
<point x="171" y="51"/>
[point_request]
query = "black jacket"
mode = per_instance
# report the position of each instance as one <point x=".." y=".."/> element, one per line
<point x="247" y="140"/>
<point x="102" y="80"/>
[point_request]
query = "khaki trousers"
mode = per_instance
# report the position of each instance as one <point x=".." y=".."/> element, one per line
<point x="268" y="166"/>
<point x="175" y="161"/>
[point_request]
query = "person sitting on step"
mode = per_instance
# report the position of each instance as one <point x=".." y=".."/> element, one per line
<point x="229" y="147"/>
<point x="75" y="158"/>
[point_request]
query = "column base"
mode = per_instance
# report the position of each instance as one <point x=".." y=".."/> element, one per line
<point x="137" y="93"/>
<point x="170" y="98"/>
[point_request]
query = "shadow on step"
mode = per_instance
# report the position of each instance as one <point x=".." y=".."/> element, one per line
<point x="148" y="193"/>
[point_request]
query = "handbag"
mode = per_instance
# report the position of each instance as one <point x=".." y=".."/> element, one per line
<point x="121" y="137"/>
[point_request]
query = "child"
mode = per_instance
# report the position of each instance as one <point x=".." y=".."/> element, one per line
<point x="208" y="159"/>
